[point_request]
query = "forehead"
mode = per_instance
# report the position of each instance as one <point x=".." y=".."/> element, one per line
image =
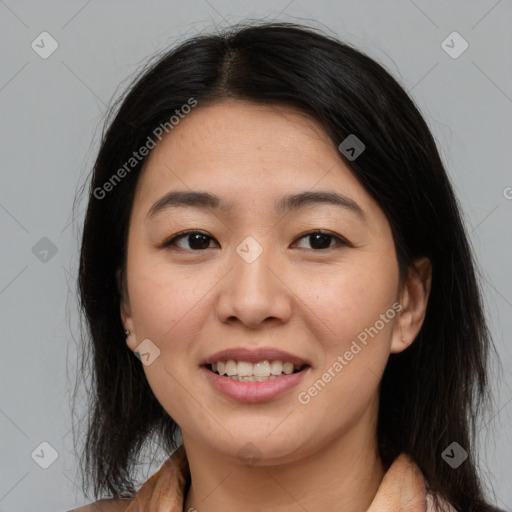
<point x="251" y="153"/>
<point x="232" y="130"/>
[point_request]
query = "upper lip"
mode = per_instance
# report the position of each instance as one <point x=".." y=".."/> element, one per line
<point x="255" y="356"/>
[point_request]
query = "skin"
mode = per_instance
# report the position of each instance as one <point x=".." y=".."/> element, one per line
<point x="308" y="301"/>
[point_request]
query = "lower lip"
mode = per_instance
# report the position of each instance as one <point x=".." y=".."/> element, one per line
<point x="252" y="392"/>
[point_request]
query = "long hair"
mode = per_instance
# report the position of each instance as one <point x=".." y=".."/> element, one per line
<point x="431" y="393"/>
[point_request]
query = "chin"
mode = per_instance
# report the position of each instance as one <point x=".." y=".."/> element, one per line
<point x="261" y="448"/>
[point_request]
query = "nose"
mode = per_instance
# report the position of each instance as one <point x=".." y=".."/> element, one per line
<point x="255" y="293"/>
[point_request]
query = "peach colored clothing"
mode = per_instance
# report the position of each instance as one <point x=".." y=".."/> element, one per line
<point x="402" y="489"/>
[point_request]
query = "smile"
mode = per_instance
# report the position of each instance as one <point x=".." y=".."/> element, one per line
<point x="254" y="372"/>
<point x="251" y="387"/>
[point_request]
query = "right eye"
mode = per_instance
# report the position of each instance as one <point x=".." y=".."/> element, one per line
<point x="197" y="240"/>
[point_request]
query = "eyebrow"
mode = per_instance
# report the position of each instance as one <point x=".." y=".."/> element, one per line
<point x="206" y="201"/>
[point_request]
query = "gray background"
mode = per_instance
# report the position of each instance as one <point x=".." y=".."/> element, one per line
<point x="51" y="111"/>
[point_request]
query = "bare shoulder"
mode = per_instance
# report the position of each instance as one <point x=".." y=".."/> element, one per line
<point x="104" y="506"/>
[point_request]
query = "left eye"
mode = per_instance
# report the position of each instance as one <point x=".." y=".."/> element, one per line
<point x="199" y="241"/>
<point x="320" y="239"/>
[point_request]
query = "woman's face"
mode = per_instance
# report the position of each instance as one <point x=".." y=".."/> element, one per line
<point x="257" y="283"/>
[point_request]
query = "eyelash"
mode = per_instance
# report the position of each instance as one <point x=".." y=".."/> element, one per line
<point x="172" y="241"/>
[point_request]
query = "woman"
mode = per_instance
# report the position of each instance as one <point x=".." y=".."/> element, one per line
<point x="272" y="233"/>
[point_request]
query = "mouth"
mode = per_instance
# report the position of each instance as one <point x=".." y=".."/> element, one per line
<point x="253" y="376"/>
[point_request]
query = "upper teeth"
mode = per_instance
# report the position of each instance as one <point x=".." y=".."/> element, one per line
<point x="246" y="369"/>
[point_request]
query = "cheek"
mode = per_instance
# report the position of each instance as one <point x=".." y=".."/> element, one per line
<point x="347" y="378"/>
<point x="164" y="300"/>
<point x="352" y="300"/>
<point x="166" y="310"/>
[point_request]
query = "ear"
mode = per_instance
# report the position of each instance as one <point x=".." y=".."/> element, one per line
<point x="414" y="299"/>
<point x="125" y="309"/>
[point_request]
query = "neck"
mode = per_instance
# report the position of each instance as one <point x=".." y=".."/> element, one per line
<point x="343" y="474"/>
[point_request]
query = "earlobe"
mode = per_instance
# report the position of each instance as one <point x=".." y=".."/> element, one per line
<point x="126" y="317"/>
<point x="131" y="339"/>
<point x="125" y="311"/>
<point x="414" y="300"/>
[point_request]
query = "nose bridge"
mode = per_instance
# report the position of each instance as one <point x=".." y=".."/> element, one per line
<point x="252" y="262"/>
<point x="254" y="292"/>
